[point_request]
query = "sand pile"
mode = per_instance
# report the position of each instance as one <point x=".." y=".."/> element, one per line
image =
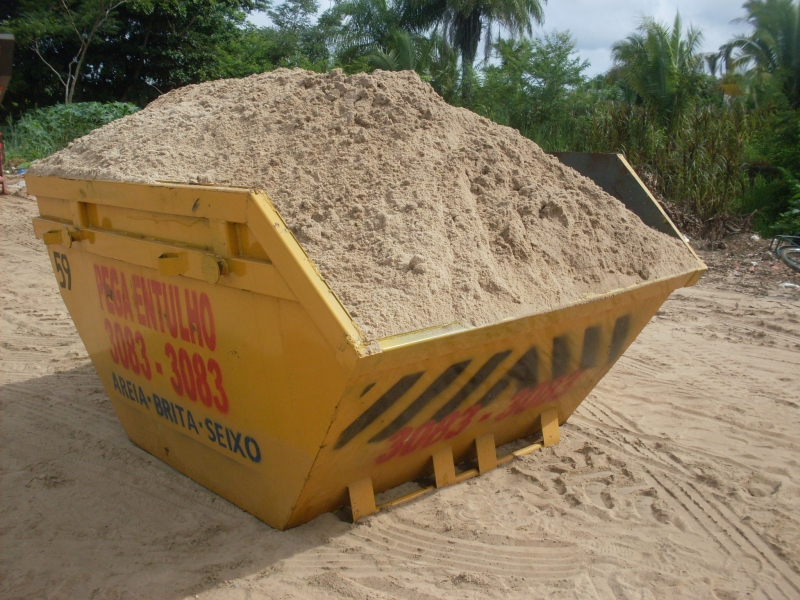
<point x="416" y="213"/>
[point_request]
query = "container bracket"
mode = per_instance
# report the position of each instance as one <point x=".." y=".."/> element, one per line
<point x="173" y="264"/>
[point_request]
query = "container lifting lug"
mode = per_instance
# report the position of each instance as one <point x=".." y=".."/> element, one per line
<point x="173" y="264"/>
<point x="63" y="236"/>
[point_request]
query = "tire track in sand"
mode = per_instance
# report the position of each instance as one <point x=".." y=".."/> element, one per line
<point x="726" y="529"/>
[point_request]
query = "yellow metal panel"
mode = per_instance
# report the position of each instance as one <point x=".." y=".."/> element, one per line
<point x="54" y="208"/>
<point x="486" y="452"/>
<point x="549" y="426"/>
<point x="362" y="498"/>
<point x="191" y="231"/>
<point x="247" y="488"/>
<point x="317" y="380"/>
<point x="224" y="238"/>
<point x="172" y="263"/>
<point x="443" y="468"/>
<point x="80" y="215"/>
<point x="186" y="361"/>
<point x="248" y="244"/>
<point x="225" y="204"/>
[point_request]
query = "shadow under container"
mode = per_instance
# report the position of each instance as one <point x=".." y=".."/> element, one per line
<point x="226" y="354"/>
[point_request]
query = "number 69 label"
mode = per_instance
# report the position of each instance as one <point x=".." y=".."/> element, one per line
<point x="63" y="272"/>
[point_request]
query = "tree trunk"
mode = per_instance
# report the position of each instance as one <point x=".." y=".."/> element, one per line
<point x="466" y="81"/>
<point x="468" y="37"/>
<point x="140" y="64"/>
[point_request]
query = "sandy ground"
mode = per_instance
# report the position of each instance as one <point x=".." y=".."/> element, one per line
<point x="678" y="477"/>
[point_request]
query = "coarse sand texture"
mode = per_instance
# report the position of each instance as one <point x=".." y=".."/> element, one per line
<point x="415" y="212"/>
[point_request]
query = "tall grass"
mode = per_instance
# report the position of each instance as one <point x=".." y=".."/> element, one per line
<point x="699" y="162"/>
<point x="42" y="131"/>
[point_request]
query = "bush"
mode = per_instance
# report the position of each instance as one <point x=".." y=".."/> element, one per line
<point x="789" y="221"/>
<point x="42" y="131"/>
<point x="774" y="163"/>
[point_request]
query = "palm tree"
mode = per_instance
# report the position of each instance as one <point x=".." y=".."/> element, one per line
<point x="721" y="61"/>
<point x="660" y="65"/>
<point x="391" y="36"/>
<point x="430" y="56"/>
<point x="467" y="22"/>
<point x="371" y="27"/>
<point x="401" y="53"/>
<point x="731" y="80"/>
<point x="773" y="48"/>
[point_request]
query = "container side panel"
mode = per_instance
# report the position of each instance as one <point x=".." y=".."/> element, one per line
<point x="414" y="401"/>
<point x="191" y="370"/>
<point x="243" y="486"/>
<point x="612" y="173"/>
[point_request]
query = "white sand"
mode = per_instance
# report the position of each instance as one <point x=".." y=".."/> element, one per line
<point x="678" y="477"/>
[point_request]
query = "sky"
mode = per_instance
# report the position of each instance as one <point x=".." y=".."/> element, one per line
<point x="597" y="24"/>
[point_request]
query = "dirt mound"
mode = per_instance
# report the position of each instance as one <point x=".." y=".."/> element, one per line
<point x="417" y="213"/>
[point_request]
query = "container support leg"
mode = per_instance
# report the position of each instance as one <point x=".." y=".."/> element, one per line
<point x="549" y="422"/>
<point x="362" y="498"/>
<point x="443" y="467"/>
<point x="487" y="453"/>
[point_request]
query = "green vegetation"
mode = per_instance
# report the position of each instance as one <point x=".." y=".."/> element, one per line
<point x="716" y="135"/>
<point x="660" y="68"/>
<point x="42" y="131"/>
<point x="789" y="221"/>
<point x="773" y="47"/>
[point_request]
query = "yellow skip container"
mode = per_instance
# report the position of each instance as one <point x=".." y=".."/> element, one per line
<point x="227" y="356"/>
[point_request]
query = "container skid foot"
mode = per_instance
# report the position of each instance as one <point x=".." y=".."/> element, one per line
<point x="362" y="495"/>
<point x="362" y="498"/>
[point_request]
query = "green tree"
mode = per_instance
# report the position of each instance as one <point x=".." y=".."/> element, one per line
<point x="467" y="22"/>
<point x="772" y="50"/>
<point x="441" y="66"/>
<point x="260" y="49"/>
<point x="60" y="33"/>
<point x="303" y="43"/>
<point x="660" y="67"/>
<point x="142" y="49"/>
<point x="536" y="88"/>
<point x="390" y="35"/>
<point x="42" y="131"/>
